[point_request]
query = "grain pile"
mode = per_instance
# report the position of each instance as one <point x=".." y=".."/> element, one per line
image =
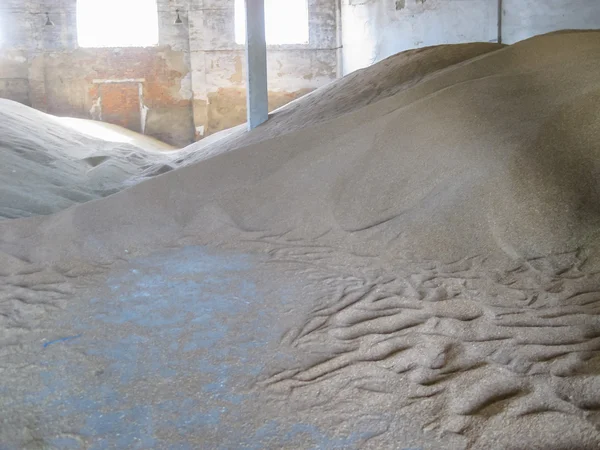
<point x="50" y="163"/>
<point x="449" y="224"/>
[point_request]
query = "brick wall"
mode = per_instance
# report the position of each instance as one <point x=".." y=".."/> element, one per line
<point x="193" y="82"/>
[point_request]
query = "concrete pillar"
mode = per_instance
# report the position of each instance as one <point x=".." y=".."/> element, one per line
<point x="256" y="60"/>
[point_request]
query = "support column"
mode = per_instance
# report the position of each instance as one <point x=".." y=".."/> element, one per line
<point x="500" y="14"/>
<point x="256" y="64"/>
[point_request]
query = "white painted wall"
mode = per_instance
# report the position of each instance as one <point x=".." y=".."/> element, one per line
<point x="523" y="19"/>
<point x="375" y="29"/>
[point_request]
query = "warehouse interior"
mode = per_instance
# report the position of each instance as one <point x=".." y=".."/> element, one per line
<point x="303" y="224"/>
<point x="193" y="72"/>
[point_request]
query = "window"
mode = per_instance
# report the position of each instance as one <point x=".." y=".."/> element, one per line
<point x="279" y="28"/>
<point x="117" y="23"/>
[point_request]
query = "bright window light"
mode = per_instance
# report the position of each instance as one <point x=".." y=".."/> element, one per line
<point x="286" y="22"/>
<point x="117" y="23"/>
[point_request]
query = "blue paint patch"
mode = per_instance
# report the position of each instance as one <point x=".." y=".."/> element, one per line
<point x="204" y="339"/>
<point x="186" y="315"/>
<point x="175" y="304"/>
<point x="66" y="443"/>
<point x="63" y="339"/>
<point x="132" y="428"/>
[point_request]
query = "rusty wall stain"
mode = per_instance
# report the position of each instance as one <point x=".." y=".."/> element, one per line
<point x="238" y="76"/>
<point x="226" y="107"/>
<point x="70" y="87"/>
<point x="121" y="105"/>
